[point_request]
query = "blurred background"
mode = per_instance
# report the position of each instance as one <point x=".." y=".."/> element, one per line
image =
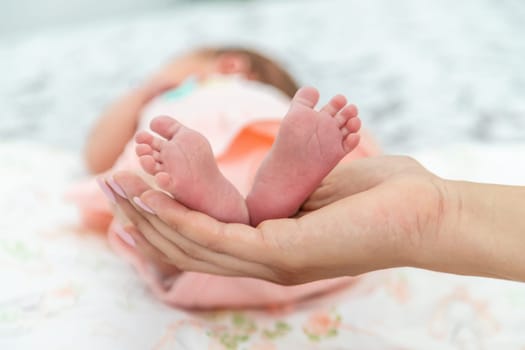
<point x="423" y="73"/>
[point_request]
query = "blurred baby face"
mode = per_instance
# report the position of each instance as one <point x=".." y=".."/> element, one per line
<point x="202" y="66"/>
<point x="195" y="65"/>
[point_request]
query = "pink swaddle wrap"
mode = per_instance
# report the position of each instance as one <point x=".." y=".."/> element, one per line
<point x="240" y="118"/>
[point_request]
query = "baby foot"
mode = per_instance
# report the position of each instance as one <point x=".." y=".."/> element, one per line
<point x="308" y="146"/>
<point x="183" y="165"/>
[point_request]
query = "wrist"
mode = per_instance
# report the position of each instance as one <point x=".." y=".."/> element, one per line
<point x="480" y="233"/>
<point x="460" y="244"/>
<point x="436" y="215"/>
<point x="146" y="92"/>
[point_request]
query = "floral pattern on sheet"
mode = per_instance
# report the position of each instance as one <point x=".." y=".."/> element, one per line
<point x="64" y="288"/>
<point x="245" y="330"/>
<point x="321" y="325"/>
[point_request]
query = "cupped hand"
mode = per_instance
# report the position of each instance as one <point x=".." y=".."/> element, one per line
<point x="366" y="215"/>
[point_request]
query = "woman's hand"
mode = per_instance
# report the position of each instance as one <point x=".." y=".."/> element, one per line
<point x="367" y="215"/>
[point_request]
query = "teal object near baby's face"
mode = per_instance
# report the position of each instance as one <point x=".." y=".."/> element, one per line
<point x="184" y="89"/>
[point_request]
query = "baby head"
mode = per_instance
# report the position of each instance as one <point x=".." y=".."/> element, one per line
<point x="232" y="60"/>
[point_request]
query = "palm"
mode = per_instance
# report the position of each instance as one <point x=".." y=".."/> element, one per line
<point x="356" y="221"/>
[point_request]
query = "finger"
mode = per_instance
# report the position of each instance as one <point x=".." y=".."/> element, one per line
<point x="130" y="184"/>
<point x="132" y="236"/>
<point x="184" y="253"/>
<point x="162" y="234"/>
<point x="237" y="240"/>
<point x="141" y="244"/>
<point x="148" y="246"/>
<point x="173" y="214"/>
<point x="179" y="257"/>
<point x="175" y="245"/>
<point x="187" y="255"/>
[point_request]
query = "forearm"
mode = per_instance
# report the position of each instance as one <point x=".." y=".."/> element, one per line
<point x="113" y="130"/>
<point x="482" y="232"/>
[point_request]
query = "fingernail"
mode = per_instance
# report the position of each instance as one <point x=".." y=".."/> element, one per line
<point x="143" y="205"/>
<point x="115" y="186"/>
<point x="107" y="191"/>
<point x="126" y="237"/>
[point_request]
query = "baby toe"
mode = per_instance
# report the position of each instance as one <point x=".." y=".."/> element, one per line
<point x="345" y="114"/>
<point x="350" y="142"/>
<point x="307" y="96"/>
<point x="334" y="106"/>
<point x="143" y="150"/>
<point x="143" y="137"/>
<point x="163" y="179"/>
<point x="165" y="126"/>
<point x="149" y="164"/>
<point x="353" y="124"/>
